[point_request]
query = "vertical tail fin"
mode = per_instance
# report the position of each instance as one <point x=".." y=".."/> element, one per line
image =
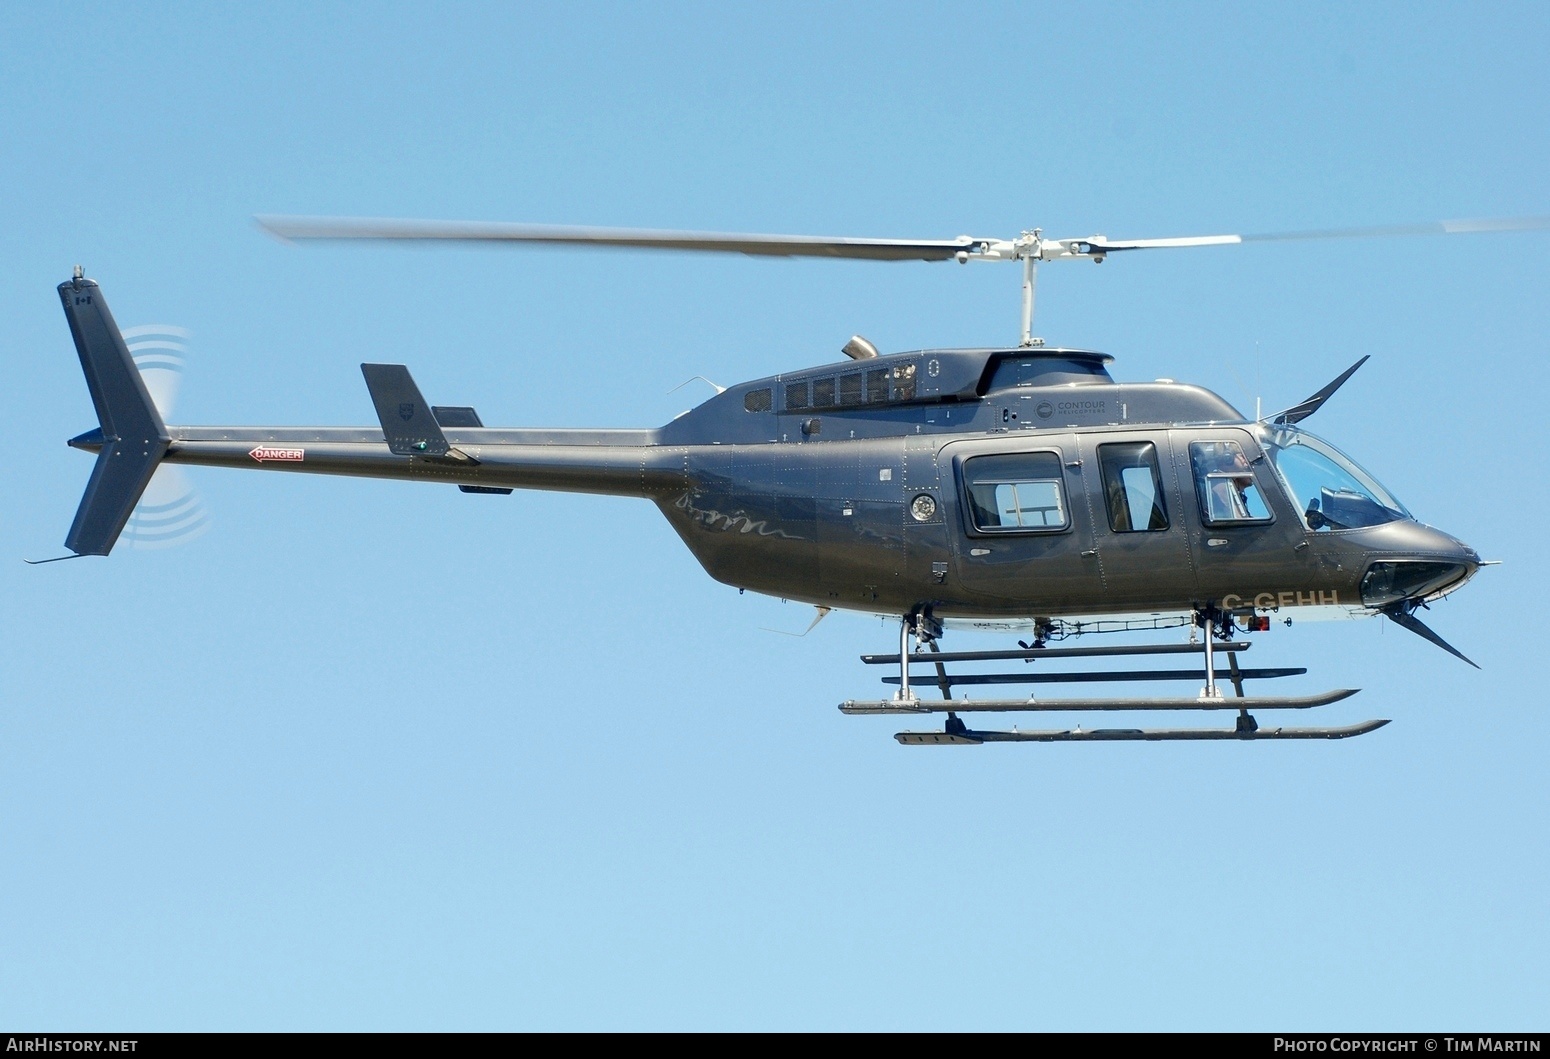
<point x="131" y="435"/>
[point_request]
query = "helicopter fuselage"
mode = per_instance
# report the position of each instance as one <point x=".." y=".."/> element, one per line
<point x="990" y="484"/>
<point x="893" y="506"/>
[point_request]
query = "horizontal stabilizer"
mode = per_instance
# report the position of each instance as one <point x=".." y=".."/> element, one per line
<point x="408" y="423"/>
<point x="456" y="416"/>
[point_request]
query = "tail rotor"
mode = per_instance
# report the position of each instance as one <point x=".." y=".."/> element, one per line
<point x="170" y="512"/>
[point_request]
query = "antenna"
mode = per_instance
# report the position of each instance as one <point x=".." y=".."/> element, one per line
<point x="1258" y="386"/>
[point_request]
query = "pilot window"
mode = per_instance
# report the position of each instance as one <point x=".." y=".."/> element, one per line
<point x="757" y="400"/>
<point x="1224" y="483"/>
<point x="1015" y="491"/>
<point x="796" y="396"/>
<point x="1331" y="491"/>
<point x="1132" y="487"/>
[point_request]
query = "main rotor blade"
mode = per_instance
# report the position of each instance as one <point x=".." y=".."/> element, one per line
<point x="1103" y="245"/>
<point x="1405" y="619"/>
<point x="963" y="248"/>
<point x="1463" y="226"/>
<point x="389" y="230"/>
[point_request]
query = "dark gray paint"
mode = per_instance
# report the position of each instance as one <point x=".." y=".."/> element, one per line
<point x="408" y="424"/>
<point x="820" y="515"/>
<point x="131" y="438"/>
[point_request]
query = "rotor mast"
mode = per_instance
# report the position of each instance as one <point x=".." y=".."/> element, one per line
<point x="1030" y="284"/>
<point x="1030" y="248"/>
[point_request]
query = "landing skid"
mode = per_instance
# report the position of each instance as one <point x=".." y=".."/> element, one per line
<point x="970" y="737"/>
<point x="926" y="631"/>
<point x="1300" y="702"/>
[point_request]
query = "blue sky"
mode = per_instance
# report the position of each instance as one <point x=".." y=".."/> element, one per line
<point x="373" y="755"/>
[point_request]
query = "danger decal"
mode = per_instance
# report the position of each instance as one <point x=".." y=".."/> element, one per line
<point x="265" y="453"/>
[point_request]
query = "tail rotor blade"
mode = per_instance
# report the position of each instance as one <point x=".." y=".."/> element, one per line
<point x="169" y="513"/>
<point x="158" y="351"/>
<point x="1407" y="620"/>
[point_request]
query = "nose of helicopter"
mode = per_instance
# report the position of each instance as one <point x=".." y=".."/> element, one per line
<point x="1411" y="562"/>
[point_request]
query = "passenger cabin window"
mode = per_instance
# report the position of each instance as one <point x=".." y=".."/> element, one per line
<point x="1132" y="487"/>
<point x="850" y="388"/>
<point x="1015" y="491"/>
<point x="877" y="386"/>
<point x="757" y="400"/>
<point x="1224" y="483"/>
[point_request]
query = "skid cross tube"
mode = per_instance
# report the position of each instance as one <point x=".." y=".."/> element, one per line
<point x="1037" y="653"/>
<point x="943" y="681"/>
<point x="1116" y="676"/>
<point x="905" y="625"/>
<point x="1206" y="619"/>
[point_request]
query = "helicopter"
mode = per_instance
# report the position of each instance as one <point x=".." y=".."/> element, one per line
<point x="1004" y="487"/>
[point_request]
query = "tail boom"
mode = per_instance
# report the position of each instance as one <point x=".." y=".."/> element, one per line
<point x="412" y="444"/>
<point x="614" y="463"/>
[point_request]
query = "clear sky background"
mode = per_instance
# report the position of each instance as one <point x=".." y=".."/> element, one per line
<point x="374" y="755"/>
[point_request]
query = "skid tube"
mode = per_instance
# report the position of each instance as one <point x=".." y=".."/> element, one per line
<point x="869" y="707"/>
<point x="961" y="735"/>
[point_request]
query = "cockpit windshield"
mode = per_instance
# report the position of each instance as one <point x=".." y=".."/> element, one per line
<point x="1332" y="492"/>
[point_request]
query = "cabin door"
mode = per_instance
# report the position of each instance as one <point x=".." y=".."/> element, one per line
<point x="1246" y="534"/>
<point x="1021" y="533"/>
<point x="1136" y="492"/>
